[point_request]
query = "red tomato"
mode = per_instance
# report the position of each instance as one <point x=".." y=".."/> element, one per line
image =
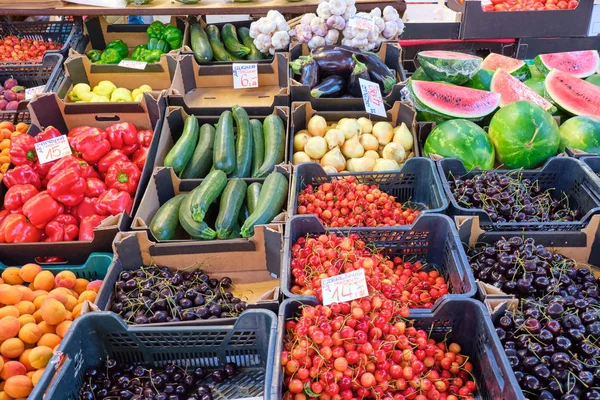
<point x="487" y="7"/>
<point x="562" y="4"/>
<point x="573" y="4"/>
<point x="552" y="7"/>
<point x="501" y="7"/>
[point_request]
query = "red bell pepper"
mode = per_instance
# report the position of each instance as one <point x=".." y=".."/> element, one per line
<point x="92" y="145"/>
<point x="43" y="169"/>
<point x="87" y="226"/>
<point x="63" y="164"/>
<point x="63" y="228"/>
<point x="3" y="214"/>
<point x="16" y="228"/>
<point x="94" y="187"/>
<point x="18" y="195"/>
<point x="49" y="133"/>
<point x="21" y="175"/>
<point x="122" y="134"/>
<point x="87" y="171"/>
<point x="75" y="132"/>
<point x="22" y="150"/>
<point x="41" y="209"/>
<point x="84" y="209"/>
<point x="139" y="157"/>
<point x="68" y="186"/>
<point x="123" y="175"/>
<point x="145" y="138"/>
<point x="113" y="202"/>
<point x="130" y="149"/>
<point x="110" y="158"/>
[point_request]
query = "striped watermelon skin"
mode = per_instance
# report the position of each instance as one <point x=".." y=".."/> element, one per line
<point x="572" y="94"/>
<point x="524" y="135"/>
<point x="464" y="140"/>
<point x="513" y="66"/>
<point x="581" y="133"/>
<point x="449" y="66"/>
<point x="577" y="63"/>
<point x="482" y="80"/>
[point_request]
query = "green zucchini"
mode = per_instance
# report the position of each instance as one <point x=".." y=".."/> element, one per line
<point x="274" y="133"/>
<point x="235" y="232"/>
<point x="197" y="230"/>
<point x="224" y="151"/>
<point x="230" y="205"/>
<point x="270" y="203"/>
<point x="164" y="223"/>
<point x="202" y="159"/>
<point x="232" y="43"/>
<point x="243" y="215"/>
<point x="209" y="190"/>
<point x="252" y="195"/>
<point x="219" y="51"/>
<point x="258" y="145"/>
<point x="200" y="45"/>
<point x="243" y="152"/>
<point x="181" y="153"/>
<point x="244" y="34"/>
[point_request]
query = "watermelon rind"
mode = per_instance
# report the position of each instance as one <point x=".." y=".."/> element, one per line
<point x="580" y="133"/>
<point x="535" y="73"/>
<point x="524" y="135"/>
<point x="420" y="75"/>
<point x="577" y="63"/>
<point x="481" y="80"/>
<point x="464" y="140"/>
<point x="511" y="89"/>
<point x="537" y="85"/>
<point x="573" y="95"/>
<point x="449" y="66"/>
<point x="594" y="79"/>
<point x="517" y="68"/>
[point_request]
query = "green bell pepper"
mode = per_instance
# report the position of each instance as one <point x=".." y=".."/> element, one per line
<point x="135" y="54"/>
<point x="150" y="56"/>
<point x="152" y="44"/>
<point x="173" y="36"/>
<point x="110" y="56"/>
<point x="155" y="30"/>
<point x="163" y="46"/>
<point x="120" y="46"/>
<point x="94" y="55"/>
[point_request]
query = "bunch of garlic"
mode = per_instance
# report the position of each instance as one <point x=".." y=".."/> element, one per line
<point x="386" y="26"/>
<point x="270" y="33"/>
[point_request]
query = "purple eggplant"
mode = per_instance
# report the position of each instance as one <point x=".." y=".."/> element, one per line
<point x="332" y="86"/>
<point x="298" y="63"/>
<point x="310" y="73"/>
<point x="378" y="71"/>
<point x="334" y="61"/>
<point x="360" y="71"/>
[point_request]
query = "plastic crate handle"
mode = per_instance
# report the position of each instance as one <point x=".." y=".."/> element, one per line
<point x="48" y="377"/>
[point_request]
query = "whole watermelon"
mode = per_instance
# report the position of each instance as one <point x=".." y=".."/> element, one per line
<point x="524" y="135"/>
<point x="462" y="139"/>
<point x="580" y="133"/>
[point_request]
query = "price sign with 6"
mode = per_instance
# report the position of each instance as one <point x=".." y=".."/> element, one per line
<point x="245" y="76"/>
<point x="344" y="287"/>
<point x="53" y="149"/>
<point x="372" y="97"/>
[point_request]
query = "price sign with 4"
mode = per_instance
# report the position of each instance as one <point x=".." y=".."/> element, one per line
<point x="52" y="149"/>
<point x="344" y="287"/>
<point x="245" y="76"/>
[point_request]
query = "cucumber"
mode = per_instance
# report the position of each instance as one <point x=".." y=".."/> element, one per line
<point x="274" y="133"/>
<point x="218" y="50"/>
<point x="230" y="205"/>
<point x="232" y="43"/>
<point x="202" y="159"/>
<point x="164" y="223"/>
<point x="270" y="203"/>
<point x="200" y="44"/>
<point x="243" y="152"/>
<point x="244" y="34"/>
<point x="208" y="191"/>
<point x="258" y="145"/>
<point x="181" y="153"/>
<point x="224" y="151"/>
<point x="252" y="195"/>
<point x="197" y="230"/>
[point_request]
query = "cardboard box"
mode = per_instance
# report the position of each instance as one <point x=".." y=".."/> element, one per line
<point x="389" y="52"/>
<point x="208" y="89"/>
<point x="430" y="30"/>
<point x="248" y="268"/>
<point x="478" y="24"/>
<point x="529" y="48"/>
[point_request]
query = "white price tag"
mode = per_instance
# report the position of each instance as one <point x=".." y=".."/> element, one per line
<point x="133" y="64"/>
<point x="372" y="97"/>
<point x="53" y="149"/>
<point x="245" y="76"/>
<point x="30" y="92"/>
<point x="362" y="22"/>
<point x="344" y="287"/>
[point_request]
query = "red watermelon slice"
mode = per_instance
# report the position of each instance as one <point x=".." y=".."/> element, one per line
<point x="572" y="94"/>
<point x="511" y="89"/>
<point x="516" y="68"/>
<point x="577" y="63"/>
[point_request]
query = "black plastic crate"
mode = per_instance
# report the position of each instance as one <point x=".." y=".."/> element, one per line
<point x="560" y="175"/>
<point x="464" y="321"/>
<point x="250" y="343"/>
<point x="432" y="239"/>
<point x="417" y="184"/>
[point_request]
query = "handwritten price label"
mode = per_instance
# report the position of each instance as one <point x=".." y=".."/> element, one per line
<point x="245" y="76"/>
<point x="372" y="97"/>
<point x="53" y="149"/>
<point x="345" y="287"/>
<point x="133" y="64"/>
<point x="30" y="92"/>
<point x="362" y="21"/>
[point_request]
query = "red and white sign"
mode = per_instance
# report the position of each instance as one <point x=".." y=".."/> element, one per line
<point x="362" y="21"/>
<point x="53" y="149"/>
<point x="372" y="98"/>
<point x="245" y="76"/>
<point x="344" y="287"/>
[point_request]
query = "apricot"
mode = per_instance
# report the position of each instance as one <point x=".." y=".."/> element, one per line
<point x="57" y="295"/>
<point x="10" y="295"/>
<point x="87" y="295"/>
<point x="26" y="319"/>
<point x="27" y="293"/>
<point x="80" y="285"/>
<point x="39" y="292"/>
<point x="11" y="276"/>
<point x="65" y="279"/>
<point x="24" y="359"/>
<point x="28" y="272"/>
<point x="9" y="328"/>
<point x="12" y="348"/>
<point x="63" y="328"/>
<point x="49" y="340"/>
<point x="39" y="301"/>
<point x="30" y="333"/>
<point x="12" y="368"/>
<point x="46" y="328"/>
<point x="71" y="303"/>
<point x="68" y="316"/>
<point x="9" y="311"/>
<point x="53" y="311"/>
<point x="4" y="396"/>
<point x="38" y="316"/>
<point x="18" y="386"/>
<point x="22" y="127"/>
<point x="39" y="357"/>
<point x="25" y="307"/>
<point x="44" y="280"/>
<point x="94" y="285"/>
<point x="37" y="375"/>
<point x="29" y="374"/>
